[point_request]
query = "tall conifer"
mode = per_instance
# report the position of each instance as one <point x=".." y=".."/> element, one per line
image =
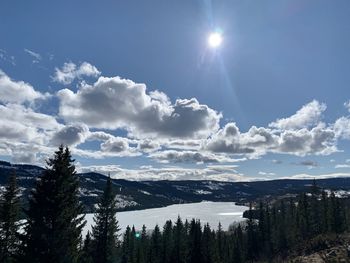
<point x="105" y="231"/>
<point x="54" y="217"/>
<point x="9" y="226"/>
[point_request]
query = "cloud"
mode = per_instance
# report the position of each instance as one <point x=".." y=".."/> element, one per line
<point x="347" y="105"/>
<point x="189" y="157"/>
<point x="7" y="58"/>
<point x="117" y="145"/>
<point x="70" y="71"/>
<point x="342" y="128"/>
<point x="308" y="163"/>
<point x="113" y="103"/>
<point x="20" y="123"/>
<point x="316" y="176"/>
<point x="36" y="56"/>
<point x="309" y="115"/>
<point x="266" y="173"/>
<point x="230" y="140"/>
<point x="276" y="161"/>
<point x="210" y="172"/>
<point x="319" y="139"/>
<point x="12" y="91"/>
<point x="24" y="157"/>
<point x="70" y="135"/>
<point x="148" y="145"/>
<point x="339" y="166"/>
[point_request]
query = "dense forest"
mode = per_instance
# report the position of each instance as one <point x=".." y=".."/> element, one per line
<point x="54" y="218"/>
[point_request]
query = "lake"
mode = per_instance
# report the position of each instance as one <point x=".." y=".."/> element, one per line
<point x="207" y="212"/>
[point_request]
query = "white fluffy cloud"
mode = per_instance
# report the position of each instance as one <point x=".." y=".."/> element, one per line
<point x="70" y="71"/>
<point x="309" y="115"/>
<point x="347" y="105"/>
<point x="189" y="157"/>
<point x="12" y="91"/>
<point x="342" y="128"/>
<point x="113" y="103"/>
<point x="210" y="172"/>
<point x="20" y="123"/>
<point x="117" y="145"/>
<point x="299" y="135"/>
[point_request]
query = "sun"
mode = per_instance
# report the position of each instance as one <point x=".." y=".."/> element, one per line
<point x="214" y="39"/>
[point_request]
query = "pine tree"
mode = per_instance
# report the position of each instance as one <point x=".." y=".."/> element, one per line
<point x="167" y="243"/>
<point x="220" y="242"/>
<point x="9" y="226"/>
<point x="126" y="253"/>
<point x="195" y="239"/>
<point x="87" y="252"/>
<point x="54" y="217"/>
<point x="238" y="245"/>
<point x="105" y="231"/>
<point x="180" y="242"/>
<point x="143" y="246"/>
<point x="156" y="246"/>
<point x="208" y="245"/>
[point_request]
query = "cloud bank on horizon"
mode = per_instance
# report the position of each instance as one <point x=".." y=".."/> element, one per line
<point x="113" y="117"/>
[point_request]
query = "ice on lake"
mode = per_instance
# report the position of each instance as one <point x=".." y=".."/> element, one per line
<point x="208" y="212"/>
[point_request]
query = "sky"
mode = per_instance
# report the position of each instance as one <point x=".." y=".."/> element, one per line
<point x="135" y="89"/>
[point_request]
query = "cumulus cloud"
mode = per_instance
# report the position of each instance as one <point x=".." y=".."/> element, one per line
<point x="309" y="115"/>
<point x="12" y="91"/>
<point x="113" y="103"/>
<point x="70" y="135"/>
<point x="210" y="172"/>
<point x="20" y="123"/>
<point x="190" y="157"/>
<point x="24" y="157"/>
<point x="70" y="71"/>
<point x="319" y="139"/>
<point x="117" y="145"/>
<point x="342" y="128"/>
<point x="148" y="145"/>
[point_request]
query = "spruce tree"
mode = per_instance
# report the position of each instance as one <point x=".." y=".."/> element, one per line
<point x="208" y="245"/>
<point x="195" y="239"/>
<point x="125" y="251"/>
<point x="155" y="254"/>
<point x="180" y="242"/>
<point x="9" y="226"/>
<point x="105" y="231"/>
<point x="143" y="246"/>
<point x="168" y="242"/>
<point x="87" y="250"/>
<point x="54" y="216"/>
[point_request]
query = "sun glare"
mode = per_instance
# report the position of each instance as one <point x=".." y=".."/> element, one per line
<point x="215" y="39"/>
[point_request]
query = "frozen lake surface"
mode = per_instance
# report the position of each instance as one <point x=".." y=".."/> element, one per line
<point x="211" y="212"/>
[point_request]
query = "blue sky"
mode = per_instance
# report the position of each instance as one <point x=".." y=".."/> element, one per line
<point x="134" y="88"/>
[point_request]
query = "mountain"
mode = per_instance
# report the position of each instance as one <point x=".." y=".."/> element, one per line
<point x="134" y="195"/>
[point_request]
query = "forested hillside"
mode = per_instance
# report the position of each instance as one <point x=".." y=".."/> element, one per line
<point x="273" y="231"/>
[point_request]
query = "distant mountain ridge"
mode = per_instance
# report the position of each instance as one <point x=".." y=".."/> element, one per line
<point x="132" y="195"/>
